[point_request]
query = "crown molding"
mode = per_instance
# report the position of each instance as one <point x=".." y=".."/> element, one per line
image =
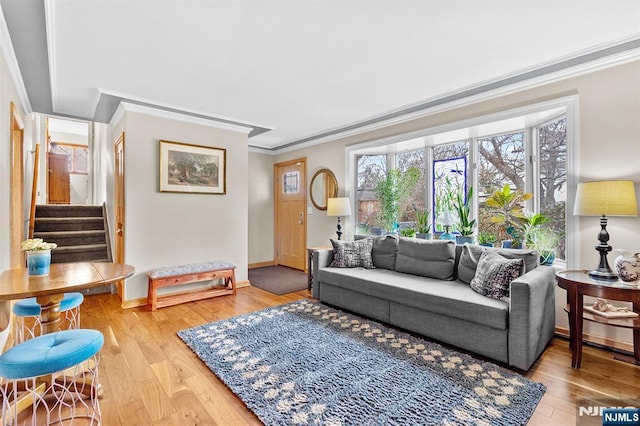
<point x="605" y="56"/>
<point x="6" y="47"/>
<point x="156" y="112"/>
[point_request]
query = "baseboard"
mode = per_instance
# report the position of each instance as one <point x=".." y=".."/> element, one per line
<point x="599" y="340"/>
<point x="135" y="303"/>
<point x="261" y="264"/>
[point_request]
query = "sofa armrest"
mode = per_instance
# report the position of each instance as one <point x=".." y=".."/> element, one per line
<point x="531" y="315"/>
<point x="320" y="259"/>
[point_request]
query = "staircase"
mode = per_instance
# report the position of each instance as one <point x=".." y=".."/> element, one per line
<point x="81" y="233"/>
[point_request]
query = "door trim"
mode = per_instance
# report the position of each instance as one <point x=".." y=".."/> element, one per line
<point x="119" y="209"/>
<point x="16" y="202"/>
<point x="276" y="187"/>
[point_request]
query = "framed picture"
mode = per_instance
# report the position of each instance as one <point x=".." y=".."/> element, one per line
<point x="192" y="168"/>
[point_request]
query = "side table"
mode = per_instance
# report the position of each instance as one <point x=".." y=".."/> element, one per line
<point x="578" y="284"/>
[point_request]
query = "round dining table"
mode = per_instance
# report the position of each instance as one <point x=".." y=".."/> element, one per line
<point x="62" y="278"/>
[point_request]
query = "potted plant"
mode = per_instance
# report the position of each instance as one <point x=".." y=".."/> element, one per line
<point x="408" y="232"/>
<point x="391" y="191"/>
<point x="486" y="239"/>
<point x="465" y="226"/>
<point x="422" y="224"/>
<point x="532" y="221"/>
<point x="38" y="255"/>
<point x="544" y="240"/>
<point x="509" y="217"/>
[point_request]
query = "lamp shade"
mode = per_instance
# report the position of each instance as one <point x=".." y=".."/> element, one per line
<point x="338" y="206"/>
<point x="608" y="198"/>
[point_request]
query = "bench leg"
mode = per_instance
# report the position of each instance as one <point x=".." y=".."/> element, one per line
<point x="152" y="295"/>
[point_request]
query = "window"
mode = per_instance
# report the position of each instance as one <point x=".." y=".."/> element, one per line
<point x="370" y="169"/>
<point x="527" y="152"/>
<point x="552" y="191"/>
<point x="78" y="156"/>
<point x="449" y="178"/>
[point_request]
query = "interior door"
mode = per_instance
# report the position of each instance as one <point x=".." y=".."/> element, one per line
<point x="118" y="148"/>
<point x="291" y="213"/>
<point x="59" y="180"/>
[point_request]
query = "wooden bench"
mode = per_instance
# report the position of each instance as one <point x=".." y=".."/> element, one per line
<point x="185" y="274"/>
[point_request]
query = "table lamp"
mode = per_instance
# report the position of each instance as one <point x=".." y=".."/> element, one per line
<point x="339" y="206"/>
<point x="447" y="220"/>
<point x="605" y="198"/>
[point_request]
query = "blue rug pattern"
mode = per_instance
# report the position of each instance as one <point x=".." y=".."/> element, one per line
<point x="307" y="363"/>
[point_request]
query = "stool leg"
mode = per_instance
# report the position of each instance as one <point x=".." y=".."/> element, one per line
<point x="80" y="385"/>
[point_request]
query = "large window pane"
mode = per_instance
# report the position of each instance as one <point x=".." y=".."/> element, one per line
<point x="416" y="199"/>
<point x="449" y="177"/>
<point x="501" y="160"/>
<point x="553" y="177"/>
<point x="370" y="169"/>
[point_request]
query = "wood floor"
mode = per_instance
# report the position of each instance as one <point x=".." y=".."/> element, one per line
<point x="150" y="377"/>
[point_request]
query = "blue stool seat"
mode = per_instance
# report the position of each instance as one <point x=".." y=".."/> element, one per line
<point x="50" y="353"/>
<point x="31" y="308"/>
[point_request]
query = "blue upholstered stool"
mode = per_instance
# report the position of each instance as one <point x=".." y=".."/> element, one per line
<point x="59" y="375"/>
<point x="27" y="313"/>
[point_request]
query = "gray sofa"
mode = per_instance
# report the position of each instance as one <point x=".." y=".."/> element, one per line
<point x="423" y="286"/>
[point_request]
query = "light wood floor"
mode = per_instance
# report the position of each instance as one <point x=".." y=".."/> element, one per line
<point x="150" y="376"/>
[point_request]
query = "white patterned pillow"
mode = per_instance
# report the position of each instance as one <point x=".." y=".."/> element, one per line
<point x="352" y="254"/>
<point x="494" y="275"/>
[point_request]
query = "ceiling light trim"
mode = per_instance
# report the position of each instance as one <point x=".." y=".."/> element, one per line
<point x="162" y="113"/>
<point x="613" y="54"/>
<point x="6" y="47"/>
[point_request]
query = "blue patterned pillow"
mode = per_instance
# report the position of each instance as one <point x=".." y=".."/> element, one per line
<point x="352" y="254"/>
<point x="494" y="275"/>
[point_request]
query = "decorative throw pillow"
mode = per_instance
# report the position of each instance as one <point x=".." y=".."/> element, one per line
<point x="352" y="254"/>
<point x="494" y="275"/>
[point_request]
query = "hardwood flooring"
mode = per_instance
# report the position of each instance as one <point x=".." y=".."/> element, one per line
<point x="150" y="377"/>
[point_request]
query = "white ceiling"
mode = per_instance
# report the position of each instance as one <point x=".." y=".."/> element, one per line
<point x="305" y="67"/>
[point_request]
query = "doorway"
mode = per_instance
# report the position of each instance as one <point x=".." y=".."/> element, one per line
<point x="68" y="161"/>
<point x="291" y="213"/>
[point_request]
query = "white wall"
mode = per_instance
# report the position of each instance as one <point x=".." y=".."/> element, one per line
<point x="8" y="94"/>
<point x="261" y="208"/>
<point x="608" y="138"/>
<point x="164" y="229"/>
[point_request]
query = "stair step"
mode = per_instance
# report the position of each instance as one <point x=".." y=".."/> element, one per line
<point x="59" y="224"/>
<point x="82" y="247"/>
<point x="68" y="210"/>
<point x="79" y="253"/>
<point x="72" y="238"/>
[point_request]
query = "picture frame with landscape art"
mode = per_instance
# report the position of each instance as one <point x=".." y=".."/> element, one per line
<point x="192" y="168"/>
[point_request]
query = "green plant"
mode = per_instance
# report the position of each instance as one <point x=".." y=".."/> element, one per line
<point x="408" y="232"/>
<point x="391" y="191"/>
<point x="544" y="239"/>
<point x="486" y="238"/>
<point x="532" y="222"/>
<point x="422" y="220"/>
<point x="509" y="218"/>
<point x="465" y="226"/>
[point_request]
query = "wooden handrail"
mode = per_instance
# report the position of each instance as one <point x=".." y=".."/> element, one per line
<point x="34" y="189"/>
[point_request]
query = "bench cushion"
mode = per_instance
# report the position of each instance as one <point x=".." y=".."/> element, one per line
<point x="193" y="268"/>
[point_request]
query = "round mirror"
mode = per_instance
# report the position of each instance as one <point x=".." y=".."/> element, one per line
<point x="324" y="185"/>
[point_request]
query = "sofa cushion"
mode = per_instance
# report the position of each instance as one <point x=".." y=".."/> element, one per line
<point x="352" y="254"/>
<point x="450" y="298"/>
<point x="471" y="255"/>
<point x="494" y="275"/>
<point x="427" y="258"/>
<point x="385" y="251"/>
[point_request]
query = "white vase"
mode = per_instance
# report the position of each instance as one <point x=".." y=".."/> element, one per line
<point x="627" y="266"/>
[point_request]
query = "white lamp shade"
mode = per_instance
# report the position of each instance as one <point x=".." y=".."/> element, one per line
<point x="446" y="218"/>
<point x="338" y="206"/>
<point x="608" y="198"/>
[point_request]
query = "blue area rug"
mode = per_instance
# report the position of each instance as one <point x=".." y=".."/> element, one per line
<point x="307" y="363"/>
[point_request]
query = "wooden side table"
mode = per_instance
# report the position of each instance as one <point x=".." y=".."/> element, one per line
<point x="578" y="284"/>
